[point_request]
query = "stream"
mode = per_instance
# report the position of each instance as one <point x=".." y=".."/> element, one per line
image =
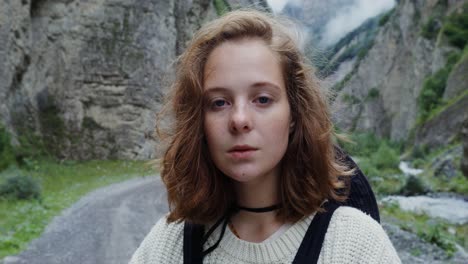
<point x="448" y="207"/>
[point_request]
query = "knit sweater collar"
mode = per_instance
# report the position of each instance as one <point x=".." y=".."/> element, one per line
<point x="275" y="250"/>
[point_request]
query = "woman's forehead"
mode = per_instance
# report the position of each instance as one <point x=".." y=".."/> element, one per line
<point x="240" y="62"/>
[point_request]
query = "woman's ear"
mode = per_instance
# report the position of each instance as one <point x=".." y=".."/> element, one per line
<point x="292" y="125"/>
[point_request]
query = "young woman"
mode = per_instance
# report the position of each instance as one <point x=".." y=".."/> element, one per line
<point x="251" y="156"/>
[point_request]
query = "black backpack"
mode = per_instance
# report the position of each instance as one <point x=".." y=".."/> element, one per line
<point x="360" y="196"/>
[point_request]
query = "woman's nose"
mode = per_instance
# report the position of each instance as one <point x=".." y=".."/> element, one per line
<point x="241" y="120"/>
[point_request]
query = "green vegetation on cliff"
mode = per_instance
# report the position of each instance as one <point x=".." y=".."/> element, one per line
<point x="456" y="28"/>
<point x="430" y="99"/>
<point x="221" y="6"/>
<point x="385" y="17"/>
<point x="367" y="31"/>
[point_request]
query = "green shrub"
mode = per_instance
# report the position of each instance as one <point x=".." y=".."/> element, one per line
<point x="368" y="168"/>
<point x="456" y="28"/>
<point x="414" y="186"/>
<point x="434" y="232"/>
<point x="221" y="6"/>
<point x="418" y="163"/>
<point x="6" y="151"/>
<point x="20" y="187"/>
<point x="372" y="94"/>
<point x="385" y="157"/>
<point x="419" y="151"/>
<point x="30" y="147"/>
<point x="432" y="92"/>
<point x="351" y="99"/>
<point x="458" y="184"/>
<point x="431" y="28"/>
<point x="363" y="145"/>
<point x="384" y="19"/>
<point x="453" y="58"/>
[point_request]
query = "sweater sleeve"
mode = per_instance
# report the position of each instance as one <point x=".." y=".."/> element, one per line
<point x="354" y="237"/>
<point x="163" y="244"/>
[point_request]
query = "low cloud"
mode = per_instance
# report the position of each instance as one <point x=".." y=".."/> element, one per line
<point x="277" y="5"/>
<point x="349" y="18"/>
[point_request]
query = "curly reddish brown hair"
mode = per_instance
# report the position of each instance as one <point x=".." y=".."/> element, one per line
<point x="197" y="190"/>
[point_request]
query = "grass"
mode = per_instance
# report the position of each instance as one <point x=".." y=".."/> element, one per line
<point x="435" y="231"/>
<point x="378" y="158"/>
<point x="62" y="185"/>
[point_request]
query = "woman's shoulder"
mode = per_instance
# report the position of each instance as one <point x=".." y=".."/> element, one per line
<point x="349" y="215"/>
<point x="163" y="244"/>
<point x="353" y="223"/>
<point x="356" y="236"/>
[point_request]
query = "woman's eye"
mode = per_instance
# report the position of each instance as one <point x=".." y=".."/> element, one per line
<point x="219" y="103"/>
<point x="263" y="100"/>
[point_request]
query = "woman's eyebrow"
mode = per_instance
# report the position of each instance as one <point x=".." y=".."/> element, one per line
<point x="267" y="84"/>
<point x="215" y="89"/>
<point x="219" y="89"/>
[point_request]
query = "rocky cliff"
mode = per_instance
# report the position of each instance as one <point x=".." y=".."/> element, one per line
<point x="382" y="92"/>
<point x="83" y="79"/>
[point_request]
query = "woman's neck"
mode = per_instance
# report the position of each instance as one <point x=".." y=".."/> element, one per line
<point x="251" y="226"/>
<point x="261" y="192"/>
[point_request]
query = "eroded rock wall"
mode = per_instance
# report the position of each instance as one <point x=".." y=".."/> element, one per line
<point x="388" y="80"/>
<point x="86" y="77"/>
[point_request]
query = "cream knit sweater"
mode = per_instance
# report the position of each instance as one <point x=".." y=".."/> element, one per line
<point x="352" y="237"/>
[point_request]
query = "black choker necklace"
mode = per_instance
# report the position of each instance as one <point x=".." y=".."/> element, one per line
<point x="260" y="209"/>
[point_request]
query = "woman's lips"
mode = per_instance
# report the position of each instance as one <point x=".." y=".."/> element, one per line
<point x="242" y="152"/>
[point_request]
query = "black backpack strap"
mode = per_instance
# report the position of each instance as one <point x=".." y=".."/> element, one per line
<point x="311" y="245"/>
<point x="360" y="194"/>
<point x="193" y="235"/>
<point x="194" y="239"/>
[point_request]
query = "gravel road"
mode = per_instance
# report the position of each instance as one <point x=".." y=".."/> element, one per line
<point x="105" y="226"/>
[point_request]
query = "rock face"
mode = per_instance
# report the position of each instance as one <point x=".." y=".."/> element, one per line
<point x="393" y="72"/>
<point x="443" y="128"/>
<point x="87" y="76"/>
<point x="14" y="52"/>
<point x="412" y="249"/>
<point x="457" y="81"/>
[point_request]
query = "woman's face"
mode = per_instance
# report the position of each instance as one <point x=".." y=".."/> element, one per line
<point x="246" y="114"/>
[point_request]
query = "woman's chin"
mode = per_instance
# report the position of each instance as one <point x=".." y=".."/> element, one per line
<point x="247" y="178"/>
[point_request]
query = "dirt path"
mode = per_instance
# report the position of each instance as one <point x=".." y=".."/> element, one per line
<point x="105" y="226"/>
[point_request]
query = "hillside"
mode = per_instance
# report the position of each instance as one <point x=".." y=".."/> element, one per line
<point x="412" y="75"/>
